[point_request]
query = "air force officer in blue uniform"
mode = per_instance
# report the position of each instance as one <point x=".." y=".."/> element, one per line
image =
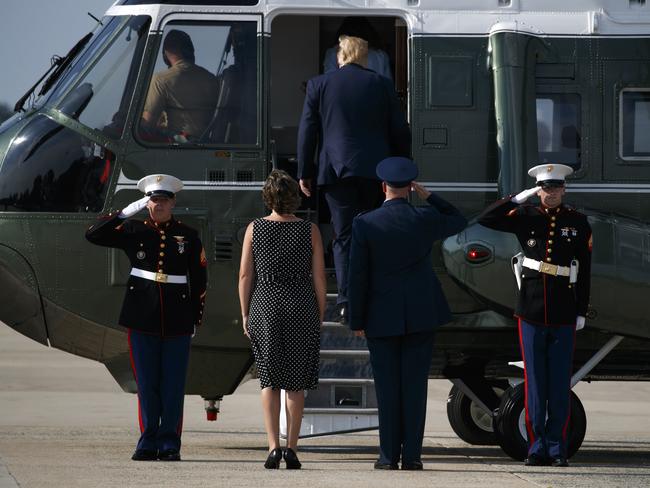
<point x="397" y="301"/>
<point x="352" y="116"/>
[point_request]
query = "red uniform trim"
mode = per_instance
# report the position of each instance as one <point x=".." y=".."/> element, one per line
<point x="529" y="425"/>
<point x="135" y="376"/>
<point x="565" y="429"/>
<point x="162" y="312"/>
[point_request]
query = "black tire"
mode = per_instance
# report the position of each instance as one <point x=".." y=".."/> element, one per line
<point x="469" y="422"/>
<point x="510" y="430"/>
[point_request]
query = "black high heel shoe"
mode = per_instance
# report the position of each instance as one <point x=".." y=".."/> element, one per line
<point x="291" y="458"/>
<point x="273" y="461"/>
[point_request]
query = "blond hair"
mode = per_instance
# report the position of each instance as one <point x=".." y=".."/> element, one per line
<point x="352" y="50"/>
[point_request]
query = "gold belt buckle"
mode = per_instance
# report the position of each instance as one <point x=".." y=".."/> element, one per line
<point x="161" y="277"/>
<point x="549" y="268"/>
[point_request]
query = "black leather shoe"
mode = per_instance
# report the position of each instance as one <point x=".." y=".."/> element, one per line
<point x="273" y="461"/>
<point x="291" y="459"/>
<point x="535" y="460"/>
<point x="389" y="466"/>
<point x="144" y="455"/>
<point x="413" y="466"/>
<point x="559" y="462"/>
<point x="169" y="455"/>
<point x="343" y="314"/>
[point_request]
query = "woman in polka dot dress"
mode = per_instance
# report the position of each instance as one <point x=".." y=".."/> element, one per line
<point x="282" y="295"/>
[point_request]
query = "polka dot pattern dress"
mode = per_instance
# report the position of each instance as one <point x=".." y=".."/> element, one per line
<point x="283" y="320"/>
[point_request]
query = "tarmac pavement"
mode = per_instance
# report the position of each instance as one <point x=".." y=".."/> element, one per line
<point x="64" y="422"/>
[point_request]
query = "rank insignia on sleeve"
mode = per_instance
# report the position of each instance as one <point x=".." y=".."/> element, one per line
<point x="591" y="242"/>
<point x="180" y="240"/>
<point x="204" y="260"/>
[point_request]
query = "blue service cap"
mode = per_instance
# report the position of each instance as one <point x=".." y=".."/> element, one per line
<point x="397" y="172"/>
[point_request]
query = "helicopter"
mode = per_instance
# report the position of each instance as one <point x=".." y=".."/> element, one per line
<point x="491" y="88"/>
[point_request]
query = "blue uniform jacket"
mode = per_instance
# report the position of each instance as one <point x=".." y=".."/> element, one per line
<point x="352" y="116"/>
<point x="393" y="289"/>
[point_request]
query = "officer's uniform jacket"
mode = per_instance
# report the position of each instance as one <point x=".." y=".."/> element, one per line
<point x="393" y="289"/>
<point x="172" y="248"/>
<point x="555" y="236"/>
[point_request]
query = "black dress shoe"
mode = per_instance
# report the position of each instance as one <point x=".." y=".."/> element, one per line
<point x="535" y="460"/>
<point x="291" y="459"/>
<point x="413" y="466"/>
<point x="169" y="455"/>
<point x="144" y="455"/>
<point x="389" y="466"/>
<point x="560" y="462"/>
<point x="343" y="314"/>
<point x="273" y="461"/>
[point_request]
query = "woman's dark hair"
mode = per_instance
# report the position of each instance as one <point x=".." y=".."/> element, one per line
<point x="281" y="192"/>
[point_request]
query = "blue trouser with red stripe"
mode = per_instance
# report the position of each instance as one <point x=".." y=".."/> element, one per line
<point x="160" y="367"/>
<point x="548" y="360"/>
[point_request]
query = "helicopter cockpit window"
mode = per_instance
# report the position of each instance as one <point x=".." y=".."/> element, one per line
<point x="50" y="168"/>
<point x="204" y="86"/>
<point x="635" y="124"/>
<point x="558" y="128"/>
<point x="101" y="98"/>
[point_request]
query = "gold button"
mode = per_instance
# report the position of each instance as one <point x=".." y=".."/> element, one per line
<point x="130" y="288"/>
<point x="183" y="295"/>
<point x="550" y="241"/>
<point x="548" y="259"/>
<point x="163" y="237"/>
<point x="552" y="224"/>
<point x="551" y="233"/>
<point x="162" y="254"/>
<point x="570" y="286"/>
<point x="553" y="218"/>
<point x="549" y="250"/>
<point x="160" y="263"/>
<point x="162" y="244"/>
<point x="160" y="270"/>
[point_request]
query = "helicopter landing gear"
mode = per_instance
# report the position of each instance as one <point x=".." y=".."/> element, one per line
<point x="469" y="420"/>
<point x="509" y="424"/>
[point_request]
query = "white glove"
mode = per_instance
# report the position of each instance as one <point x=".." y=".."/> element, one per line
<point x="580" y="322"/>
<point x="133" y="208"/>
<point x="193" y="333"/>
<point x="525" y="195"/>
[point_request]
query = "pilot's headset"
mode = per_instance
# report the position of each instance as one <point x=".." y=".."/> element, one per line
<point x="180" y="43"/>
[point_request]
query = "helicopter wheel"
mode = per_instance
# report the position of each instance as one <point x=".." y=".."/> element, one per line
<point x="471" y="423"/>
<point x="509" y="424"/>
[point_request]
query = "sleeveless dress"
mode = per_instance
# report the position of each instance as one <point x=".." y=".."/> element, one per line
<point x="283" y="320"/>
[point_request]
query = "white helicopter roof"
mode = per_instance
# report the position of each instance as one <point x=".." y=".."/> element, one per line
<point x="436" y="17"/>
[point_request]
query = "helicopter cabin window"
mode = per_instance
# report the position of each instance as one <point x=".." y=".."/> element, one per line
<point x="558" y="128"/>
<point x="100" y="100"/>
<point x="203" y="89"/>
<point x="634" y="122"/>
<point x="50" y="168"/>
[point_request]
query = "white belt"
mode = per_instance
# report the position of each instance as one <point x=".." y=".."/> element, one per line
<point x="159" y="277"/>
<point x="548" y="268"/>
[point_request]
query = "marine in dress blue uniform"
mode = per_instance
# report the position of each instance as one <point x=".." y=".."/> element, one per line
<point x="352" y="120"/>
<point x="553" y="300"/>
<point x="165" y="295"/>
<point x="397" y="302"/>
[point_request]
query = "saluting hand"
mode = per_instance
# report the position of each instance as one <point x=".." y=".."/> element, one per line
<point x="305" y="186"/>
<point x="521" y="197"/>
<point x="134" y="208"/>
<point x="421" y="191"/>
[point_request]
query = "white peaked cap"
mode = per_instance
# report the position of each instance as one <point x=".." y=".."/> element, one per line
<point x="160" y="184"/>
<point x="555" y="173"/>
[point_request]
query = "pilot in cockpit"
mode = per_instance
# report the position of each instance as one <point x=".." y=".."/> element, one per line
<point x="181" y="100"/>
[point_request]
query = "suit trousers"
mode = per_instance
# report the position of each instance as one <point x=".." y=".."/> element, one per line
<point x="347" y="198"/>
<point x="160" y="369"/>
<point x="548" y="362"/>
<point x="400" y="366"/>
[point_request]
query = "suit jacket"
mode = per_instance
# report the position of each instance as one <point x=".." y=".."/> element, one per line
<point x="352" y="116"/>
<point x="393" y="289"/>
<point x="164" y="309"/>
<point x="555" y="236"/>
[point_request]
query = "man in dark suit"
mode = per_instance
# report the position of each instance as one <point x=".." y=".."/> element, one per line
<point x="353" y="117"/>
<point x="397" y="302"/>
